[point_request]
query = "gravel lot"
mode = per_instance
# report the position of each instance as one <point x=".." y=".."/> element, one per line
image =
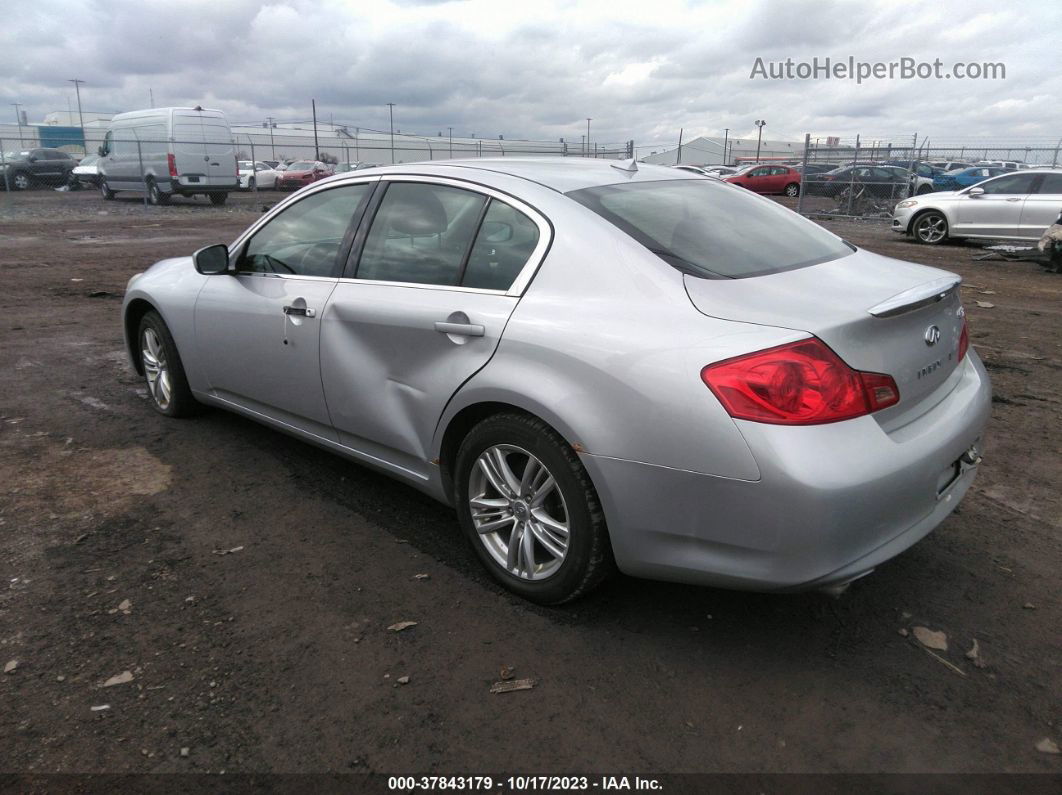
<point x="246" y="581"/>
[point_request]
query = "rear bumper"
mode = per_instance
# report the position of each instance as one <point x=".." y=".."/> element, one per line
<point x="833" y="502"/>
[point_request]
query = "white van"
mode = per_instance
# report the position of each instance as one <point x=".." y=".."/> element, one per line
<point x="167" y="152"/>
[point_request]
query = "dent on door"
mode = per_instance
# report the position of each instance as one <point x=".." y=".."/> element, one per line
<point x="392" y="357"/>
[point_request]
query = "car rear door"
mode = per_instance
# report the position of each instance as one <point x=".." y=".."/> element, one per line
<point x="435" y="272"/>
<point x="997" y="211"/>
<point x="1041" y="207"/>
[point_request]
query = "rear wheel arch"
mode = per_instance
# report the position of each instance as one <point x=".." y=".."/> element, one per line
<point x="459" y="426"/>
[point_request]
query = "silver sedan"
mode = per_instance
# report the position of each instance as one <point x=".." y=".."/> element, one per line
<point x="598" y="364"/>
<point x="1015" y="206"/>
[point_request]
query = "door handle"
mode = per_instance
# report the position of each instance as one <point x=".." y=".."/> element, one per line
<point x="460" y="329"/>
<point x="1015" y="199"/>
<point x="301" y="311"/>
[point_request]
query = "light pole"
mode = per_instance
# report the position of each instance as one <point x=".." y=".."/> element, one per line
<point x="726" y="138"/>
<point x="272" y="148"/>
<point x="391" y="117"/>
<point x="18" y="120"/>
<point x="77" y="87"/>
<point x="450" y="131"/>
<point x="588" y="137"/>
<point x="760" y="123"/>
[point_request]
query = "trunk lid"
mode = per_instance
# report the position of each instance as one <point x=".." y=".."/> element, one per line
<point x="833" y="301"/>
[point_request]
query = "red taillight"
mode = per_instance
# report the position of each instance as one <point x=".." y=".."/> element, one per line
<point x="172" y="162"/>
<point x="802" y="383"/>
<point x="964" y="340"/>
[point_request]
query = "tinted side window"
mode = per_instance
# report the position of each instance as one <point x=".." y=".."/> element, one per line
<point x="505" y="240"/>
<point x="304" y="239"/>
<point x="1015" y="183"/>
<point x="421" y="234"/>
<point x="1052" y="184"/>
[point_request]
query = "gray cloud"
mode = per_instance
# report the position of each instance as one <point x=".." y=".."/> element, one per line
<point x="538" y="70"/>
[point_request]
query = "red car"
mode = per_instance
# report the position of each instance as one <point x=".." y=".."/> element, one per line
<point x="303" y="172"/>
<point x="768" y="179"/>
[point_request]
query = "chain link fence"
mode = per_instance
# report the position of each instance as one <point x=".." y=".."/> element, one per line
<point x="865" y="176"/>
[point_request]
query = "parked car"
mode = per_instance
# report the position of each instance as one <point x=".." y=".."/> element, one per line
<point x="814" y="168"/>
<point x="1011" y="206"/>
<point x="169" y="152"/>
<point x="271" y="163"/>
<point x="955" y="180"/>
<point x="767" y="179"/>
<point x="1008" y="165"/>
<point x="944" y="166"/>
<point x="86" y="174"/>
<point x="919" y="181"/>
<point x="301" y="173"/>
<point x="753" y="403"/>
<point x="876" y="181"/>
<point x="719" y="171"/>
<point x="23" y="169"/>
<point x="258" y="174"/>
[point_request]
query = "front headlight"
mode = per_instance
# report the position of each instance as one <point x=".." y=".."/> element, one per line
<point x="906" y="203"/>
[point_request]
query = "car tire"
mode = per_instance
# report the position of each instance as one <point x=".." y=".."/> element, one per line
<point x="21" y="181"/>
<point x="168" y="390"/>
<point x="156" y="196"/>
<point x="554" y="516"/>
<point x="792" y="190"/>
<point x="930" y="227"/>
<point x="251" y="183"/>
<point x="218" y="199"/>
<point x="105" y="191"/>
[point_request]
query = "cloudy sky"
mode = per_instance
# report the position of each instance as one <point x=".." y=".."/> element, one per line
<point x="538" y="68"/>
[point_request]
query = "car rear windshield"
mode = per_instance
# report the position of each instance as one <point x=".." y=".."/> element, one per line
<point x="712" y="229"/>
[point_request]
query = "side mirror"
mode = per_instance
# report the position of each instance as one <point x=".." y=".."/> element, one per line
<point x="212" y="260"/>
<point x="975" y="192"/>
<point x="101" y="151"/>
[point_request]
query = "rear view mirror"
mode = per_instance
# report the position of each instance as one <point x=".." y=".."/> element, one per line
<point x="212" y="260"/>
<point x="976" y="192"/>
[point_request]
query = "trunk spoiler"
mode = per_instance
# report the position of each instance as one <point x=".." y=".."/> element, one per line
<point x="916" y="297"/>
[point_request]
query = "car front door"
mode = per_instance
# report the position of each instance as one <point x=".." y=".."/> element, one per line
<point x="258" y="328"/>
<point x="997" y="211"/>
<point x="429" y="287"/>
<point x="1041" y="207"/>
<point x="759" y="179"/>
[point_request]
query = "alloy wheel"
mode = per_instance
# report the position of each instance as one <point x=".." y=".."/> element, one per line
<point x="156" y="369"/>
<point x="931" y="228"/>
<point x="22" y="182"/>
<point x="518" y="512"/>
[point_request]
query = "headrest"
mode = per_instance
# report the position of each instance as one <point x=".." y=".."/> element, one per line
<point x="418" y="212"/>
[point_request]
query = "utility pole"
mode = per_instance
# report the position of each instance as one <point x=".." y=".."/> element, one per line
<point x="391" y="118"/>
<point x="272" y="148"/>
<point x="678" y="157"/>
<point x="588" y="137"/>
<point x="18" y="119"/>
<point x="726" y="138"/>
<point x="151" y="97"/>
<point x="450" y="131"/>
<point x="760" y="123"/>
<point x="77" y="87"/>
<point x="316" y="147"/>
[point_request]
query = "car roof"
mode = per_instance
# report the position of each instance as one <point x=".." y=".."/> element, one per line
<point x="562" y="174"/>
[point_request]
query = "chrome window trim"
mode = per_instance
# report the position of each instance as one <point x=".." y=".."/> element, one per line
<point x="527" y="272"/>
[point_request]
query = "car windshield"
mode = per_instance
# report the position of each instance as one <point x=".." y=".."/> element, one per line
<point x="302" y="165"/>
<point x="712" y="229"/>
<point x="89" y="161"/>
<point x="745" y="169"/>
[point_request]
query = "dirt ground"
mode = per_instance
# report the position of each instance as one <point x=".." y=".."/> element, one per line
<point x="246" y="580"/>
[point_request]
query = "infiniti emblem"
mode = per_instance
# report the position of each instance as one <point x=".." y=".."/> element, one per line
<point x="932" y="336"/>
